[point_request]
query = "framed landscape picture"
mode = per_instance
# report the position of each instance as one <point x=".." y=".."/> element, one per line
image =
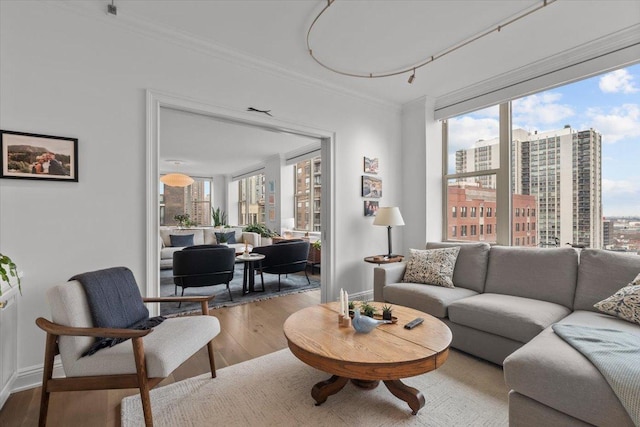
<point x="371" y="187"/>
<point x="371" y="165"/>
<point x="33" y="156"/>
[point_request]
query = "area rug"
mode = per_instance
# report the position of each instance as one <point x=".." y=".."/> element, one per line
<point x="290" y="284"/>
<point x="275" y="390"/>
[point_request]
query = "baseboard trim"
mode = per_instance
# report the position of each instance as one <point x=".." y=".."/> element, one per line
<point x="362" y="296"/>
<point x="31" y="377"/>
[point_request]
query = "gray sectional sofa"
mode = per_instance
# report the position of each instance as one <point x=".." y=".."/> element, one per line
<point x="501" y="309"/>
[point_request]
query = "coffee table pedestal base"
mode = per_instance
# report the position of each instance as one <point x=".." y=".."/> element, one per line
<point x="414" y="397"/>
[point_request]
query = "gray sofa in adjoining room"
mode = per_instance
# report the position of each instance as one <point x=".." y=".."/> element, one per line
<point x="503" y="305"/>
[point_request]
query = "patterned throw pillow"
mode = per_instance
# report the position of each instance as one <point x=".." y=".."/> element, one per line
<point x="433" y="266"/>
<point x="625" y="303"/>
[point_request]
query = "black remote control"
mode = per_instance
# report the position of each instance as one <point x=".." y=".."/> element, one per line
<point x="414" y="323"/>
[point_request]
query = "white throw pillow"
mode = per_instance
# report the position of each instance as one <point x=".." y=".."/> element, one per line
<point x="432" y="266"/>
<point x="625" y="303"/>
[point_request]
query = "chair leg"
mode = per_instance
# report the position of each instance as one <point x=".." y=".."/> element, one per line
<point x="307" y="276"/>
<point x="141" y="371"/>
<point x="182" y="294"/>
<point x="262" y="280"/>
<point x="212" y="363"/>
<point x="278" y="283"/>
<point x="49" y="354"/>
<point x="229" y="289"/>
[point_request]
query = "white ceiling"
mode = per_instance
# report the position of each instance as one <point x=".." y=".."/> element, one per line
<point x="375" y="36"/>
<point x="207" y="146"/>
<point x="363" y="37"/>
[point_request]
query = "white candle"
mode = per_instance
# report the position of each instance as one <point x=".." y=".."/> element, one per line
<point x="346" y="303"/>
<point x="341" y="301"/>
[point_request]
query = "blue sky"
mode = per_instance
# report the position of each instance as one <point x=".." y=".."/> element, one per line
<point x="609" y="103"/>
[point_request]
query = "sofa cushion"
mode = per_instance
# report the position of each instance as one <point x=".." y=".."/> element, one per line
<point x="516" y="318"/>
<point x="550" y="371"/>
<point x="181" y="240"/>
<point x="430" y="299"/>
<point x="433" y="267"/>
<point x="542" y="274"/>
<point x="625" y="303"/>
<point x="167" y="253"/>
<point x="166" y="232"/>
<point x="602" y="273"/>
<point x="471" y="266"/>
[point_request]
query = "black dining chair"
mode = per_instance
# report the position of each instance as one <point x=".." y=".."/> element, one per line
<point x="204" y="265"/>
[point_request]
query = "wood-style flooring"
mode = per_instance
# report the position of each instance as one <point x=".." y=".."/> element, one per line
<point x="248" y="331"/>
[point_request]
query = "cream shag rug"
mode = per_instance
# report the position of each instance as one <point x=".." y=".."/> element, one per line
<point x="275" y="390"/>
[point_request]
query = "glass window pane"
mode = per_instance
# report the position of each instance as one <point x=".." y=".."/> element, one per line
<point x="465" y="199"/>
<point x="473" y="142"/>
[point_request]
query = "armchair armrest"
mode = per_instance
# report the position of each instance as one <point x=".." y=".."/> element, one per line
<point x="385" y="275"/>
<point x="56" y="329"/>
<point x="203" y="300"/>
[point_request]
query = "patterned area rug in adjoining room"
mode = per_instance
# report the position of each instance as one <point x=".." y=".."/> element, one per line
<point x="275" y="390"/>
<point x="291" y="284"/>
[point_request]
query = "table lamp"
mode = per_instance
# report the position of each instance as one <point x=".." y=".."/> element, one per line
<point x="389" y="216"/>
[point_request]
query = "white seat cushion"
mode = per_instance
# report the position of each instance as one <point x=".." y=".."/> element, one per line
<point x="166" y="347"/>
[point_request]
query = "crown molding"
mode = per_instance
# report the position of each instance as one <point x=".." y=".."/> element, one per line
<point x="620" y="40"/>
<point x="146" y="28"/>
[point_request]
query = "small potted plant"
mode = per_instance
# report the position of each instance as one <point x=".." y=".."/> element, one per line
<point x="367" y="309"/>
<point x="386" y="312"/>
<point x="351" y="307"/>
<point x="8" y="269"/>
<point x="219" y="217"/>
<point x="184" y="221"/>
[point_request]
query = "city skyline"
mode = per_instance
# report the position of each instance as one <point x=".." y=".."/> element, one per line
<point x="608" y="103"/>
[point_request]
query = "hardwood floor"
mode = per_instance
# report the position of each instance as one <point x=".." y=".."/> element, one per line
<point x="248" y="331"/>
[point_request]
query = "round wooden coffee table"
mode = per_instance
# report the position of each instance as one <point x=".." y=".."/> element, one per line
<point x="390" y="352"/>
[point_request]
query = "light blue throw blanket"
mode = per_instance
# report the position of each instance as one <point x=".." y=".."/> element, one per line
<point x="616" y="354"/>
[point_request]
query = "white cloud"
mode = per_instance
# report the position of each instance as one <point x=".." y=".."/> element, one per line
<point x="619" y="81"/>
<point x="465" y="131"/>
<point x="541" y="112"/>
<point x="616" y="124"/>
<point x="619" y="187"/>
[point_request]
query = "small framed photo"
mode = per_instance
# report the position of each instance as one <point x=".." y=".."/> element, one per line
<point x="371" y="165"/>
<point x="371" y="207"/>
<point x="33" y="156"/>
<point x="371" y="187"/>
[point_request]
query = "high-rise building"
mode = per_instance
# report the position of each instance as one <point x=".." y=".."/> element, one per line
<point x="607" y="233"/>
<point x="562" y="169"/>
<point x="308" y="194"/>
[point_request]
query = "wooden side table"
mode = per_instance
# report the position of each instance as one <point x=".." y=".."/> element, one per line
<point x="383" y="259"/>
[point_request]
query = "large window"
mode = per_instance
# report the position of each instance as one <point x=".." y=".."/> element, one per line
<point x="308" y="194"/>
<point x="194" y="200"/>
<point x="563" y="162"/>
<point x="251" y="200"/>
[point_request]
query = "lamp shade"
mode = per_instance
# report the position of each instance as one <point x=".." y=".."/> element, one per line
<point x="176" y="180"/>
<point x="388" y="216"/>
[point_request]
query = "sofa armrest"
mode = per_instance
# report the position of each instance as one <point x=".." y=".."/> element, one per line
<point x="385" y="275"/>
<point x="251" y="238"/>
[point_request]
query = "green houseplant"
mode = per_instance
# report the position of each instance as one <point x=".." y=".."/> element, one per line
<point x="219" y="217"/>
<point x="261" y="229"/>
<point x="367" y="309"/>
<point x="8" y="269"/>
<point x="184" y="220"/>
<point x="386" y="312"/>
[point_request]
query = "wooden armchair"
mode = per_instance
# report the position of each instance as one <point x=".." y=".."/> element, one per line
<point x="150" y="357"/>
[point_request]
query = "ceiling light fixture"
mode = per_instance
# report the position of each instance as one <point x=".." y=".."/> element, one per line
<point x="375" y="75"/>
<point x="176" y="179"/>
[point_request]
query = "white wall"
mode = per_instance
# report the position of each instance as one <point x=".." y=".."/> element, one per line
<point x="84" y="75"/>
